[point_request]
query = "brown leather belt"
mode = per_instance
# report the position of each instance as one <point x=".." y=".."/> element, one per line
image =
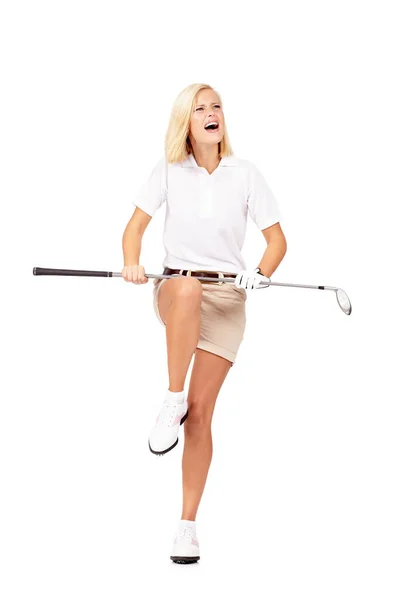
<point x="189" y="273"/>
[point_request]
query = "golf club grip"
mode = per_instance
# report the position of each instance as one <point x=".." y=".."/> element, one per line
<point x="78" y="273"/>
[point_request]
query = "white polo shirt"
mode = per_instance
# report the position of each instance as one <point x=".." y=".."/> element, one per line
<point x="206" y="214"/>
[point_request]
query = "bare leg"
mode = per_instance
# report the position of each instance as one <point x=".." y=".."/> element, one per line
<point x="208" y="373"/>
<point x="179" y="305"/>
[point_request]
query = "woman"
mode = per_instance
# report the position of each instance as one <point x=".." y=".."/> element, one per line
<point x="208" y="193"/>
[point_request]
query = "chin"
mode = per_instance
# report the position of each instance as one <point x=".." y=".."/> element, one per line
<point x="216" y="140"/>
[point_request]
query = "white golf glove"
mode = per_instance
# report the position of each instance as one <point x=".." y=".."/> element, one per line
<point x="251" y="280"/>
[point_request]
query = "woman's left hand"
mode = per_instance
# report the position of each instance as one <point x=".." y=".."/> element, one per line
<point x="250" y="280"/>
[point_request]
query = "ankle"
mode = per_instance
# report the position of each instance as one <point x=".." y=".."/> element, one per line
<point x="188" y="518"/>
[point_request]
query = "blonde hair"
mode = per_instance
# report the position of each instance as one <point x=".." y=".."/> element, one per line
<point x="177" y="142"/>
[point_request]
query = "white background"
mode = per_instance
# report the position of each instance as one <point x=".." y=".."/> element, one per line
<point x="303" y="492"/>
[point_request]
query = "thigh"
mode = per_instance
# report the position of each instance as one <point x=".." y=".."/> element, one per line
<point x="177" y="286"/>
<point x="208" y="374"/>
<point x="223" y="320"/>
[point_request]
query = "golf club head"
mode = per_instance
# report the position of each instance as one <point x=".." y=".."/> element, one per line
<point x="343" y="301"/>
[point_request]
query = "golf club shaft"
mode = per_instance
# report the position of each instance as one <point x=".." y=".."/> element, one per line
<point x="232" y="280"/>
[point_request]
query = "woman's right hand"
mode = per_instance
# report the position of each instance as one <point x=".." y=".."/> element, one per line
<point x="134" y="273"/>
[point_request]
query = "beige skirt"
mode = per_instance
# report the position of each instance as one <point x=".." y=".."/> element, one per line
<point x="222" y="317"/>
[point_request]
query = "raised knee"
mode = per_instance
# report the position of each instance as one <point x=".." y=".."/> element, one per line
<point x="188" y="289"/>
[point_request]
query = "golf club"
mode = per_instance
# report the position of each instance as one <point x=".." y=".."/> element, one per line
<point x="341" y="296"/>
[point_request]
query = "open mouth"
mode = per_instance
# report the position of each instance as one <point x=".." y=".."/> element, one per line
<point x="213" y="126"/>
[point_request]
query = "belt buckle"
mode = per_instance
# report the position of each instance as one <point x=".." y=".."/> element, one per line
<point x="220" y="275"/>
<point x="189" y="274"/>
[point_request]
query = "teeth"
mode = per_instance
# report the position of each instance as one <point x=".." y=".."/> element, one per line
<point x="211" y="123"/>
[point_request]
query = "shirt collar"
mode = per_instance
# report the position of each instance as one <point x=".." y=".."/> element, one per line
<point x="226" y="161"/>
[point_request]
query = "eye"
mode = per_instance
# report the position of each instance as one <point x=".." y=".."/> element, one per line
<point x="200" y="108"/>
<point x="217" y="106"/>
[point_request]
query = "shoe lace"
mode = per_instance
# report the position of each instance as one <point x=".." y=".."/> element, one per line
<point x="167" y="414"/>
<point x="186" y="532"/>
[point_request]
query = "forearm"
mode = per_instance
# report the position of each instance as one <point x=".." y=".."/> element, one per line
<point x="272" y="257"/>
<point x="132" y="244"/>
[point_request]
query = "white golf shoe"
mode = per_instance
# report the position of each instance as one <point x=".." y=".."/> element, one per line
<point x="185" y="549"/>
<point x="164" y="435"/>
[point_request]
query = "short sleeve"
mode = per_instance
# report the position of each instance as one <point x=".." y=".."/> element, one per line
<point x="154" y="191"/>
<point x="262" y="204"/>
